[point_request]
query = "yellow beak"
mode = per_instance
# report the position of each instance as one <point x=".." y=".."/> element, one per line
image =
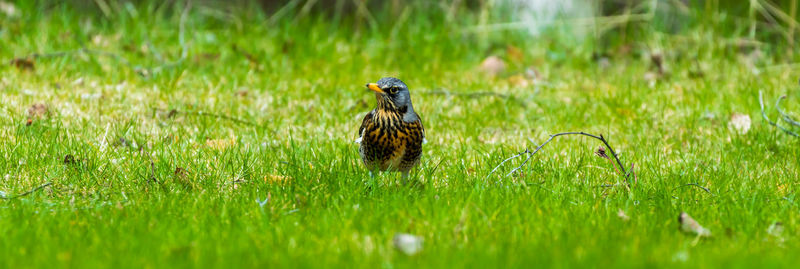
<point x="374" y="87"/>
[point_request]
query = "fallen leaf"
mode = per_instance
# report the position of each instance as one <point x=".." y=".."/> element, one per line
<point x="493" y="66"/>
<point x="121" y="142"/>
<point x="181" y="173"/>
<point x="657" y="60"/>
<point x="300" y="200"/>
<point x="130" y="47"/>
<point x="776" y="229"/>
<point x="277" y="179"/>
<point x="650" y="76"/>
<point x="64" y="36"/>
<point x="181" y="176"/>
<point x="519" y="81"/>
<point x="287" y="46"/>
<point x="407" y="243"/>
<point x="25" y="64"/>
<point x="514" y="54"/>
<point x="740" y="123"/>
<point x="624" y="50"/>
<point x="69" y="159"/>
<point x="220" y="144"/>
<point x="621" y="214"/>
<point x="202" y="57"/>
<point x="691" y="226"/>
<point x="470" y="171"/>
<point x="37" y="111"/>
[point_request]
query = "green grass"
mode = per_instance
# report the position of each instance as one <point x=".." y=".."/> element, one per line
<point x="301" y="100"/>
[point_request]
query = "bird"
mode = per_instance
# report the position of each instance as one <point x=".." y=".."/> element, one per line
<point x="391" y="135"/>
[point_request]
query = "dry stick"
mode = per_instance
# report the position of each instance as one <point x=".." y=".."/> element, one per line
<point x="615" y="168"/>
<point x="696" y="185"/>
<point x="632" y="172"/>
<point x="786" y="117"/>
<point x="601" y="138"/>
<point x="764" y="115"/>
<point x="504" y="161"/>
<point x="530" y="154"/>
<point x="27" y="192"/>
<point x="152" y="167"/>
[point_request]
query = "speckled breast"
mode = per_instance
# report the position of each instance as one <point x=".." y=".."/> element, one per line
<point x="390" y="144"/>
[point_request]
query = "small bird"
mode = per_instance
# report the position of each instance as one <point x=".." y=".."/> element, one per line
<point x="391" y="135"/>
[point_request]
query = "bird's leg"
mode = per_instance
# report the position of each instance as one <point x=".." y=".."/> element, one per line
<point x="370" y="182"/>
<point x="404" y="178"/>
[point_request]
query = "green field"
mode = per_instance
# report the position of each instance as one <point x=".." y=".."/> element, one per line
<point x="212" y="135"/>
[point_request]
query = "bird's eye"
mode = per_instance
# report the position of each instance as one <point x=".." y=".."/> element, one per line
<point x="393" y="90"/>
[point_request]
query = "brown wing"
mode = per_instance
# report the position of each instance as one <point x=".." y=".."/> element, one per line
<point x="419" y="119"/>
<point x="364" y="123"/>
<point x="413" y="148"/>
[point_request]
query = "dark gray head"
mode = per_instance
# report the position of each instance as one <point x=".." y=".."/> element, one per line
<point x="392" y="94"/>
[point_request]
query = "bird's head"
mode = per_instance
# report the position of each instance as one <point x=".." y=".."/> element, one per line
<point x="392" y="94"/>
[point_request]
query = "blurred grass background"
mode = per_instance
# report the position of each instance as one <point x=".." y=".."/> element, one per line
<point x="166" y="125"/>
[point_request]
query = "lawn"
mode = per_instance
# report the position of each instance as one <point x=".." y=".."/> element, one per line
<point x="165" y="135"/>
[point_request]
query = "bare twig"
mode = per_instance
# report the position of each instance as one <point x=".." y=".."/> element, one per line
<point x="152" y="167"/>
<point x="696" y="185"/>
<point x="785" y="116"/>
<point x="553" y="136"/>
<point x="632" y="172"/>
<point x="27" y="192"/>
<point x="764" y="115"/>
<point x="530" y="154"/>
<point x="504" y="161"/>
